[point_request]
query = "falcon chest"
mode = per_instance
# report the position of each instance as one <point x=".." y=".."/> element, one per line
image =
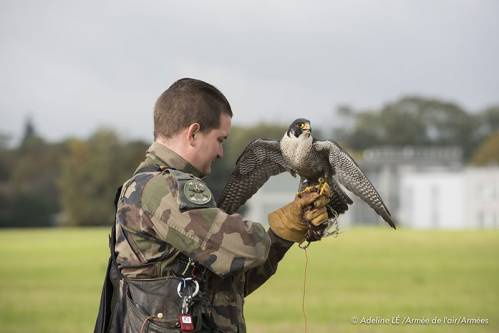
<point x="299" y="155"/>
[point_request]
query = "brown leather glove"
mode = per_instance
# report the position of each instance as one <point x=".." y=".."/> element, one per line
<point x="291" y="221"/>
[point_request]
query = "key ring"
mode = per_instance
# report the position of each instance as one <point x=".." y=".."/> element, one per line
<point x="183" y="285"/>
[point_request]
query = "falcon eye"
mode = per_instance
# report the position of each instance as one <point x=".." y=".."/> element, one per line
<point x="301" y="125"/>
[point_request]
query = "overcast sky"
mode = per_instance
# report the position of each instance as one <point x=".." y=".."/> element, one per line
<point x="73" y="66"/>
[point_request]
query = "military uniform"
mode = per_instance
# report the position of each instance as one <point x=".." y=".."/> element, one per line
<point x="168" y="227"/>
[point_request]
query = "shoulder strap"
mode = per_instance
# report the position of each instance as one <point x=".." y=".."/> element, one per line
<point x="149" y="168"/>
<point x="104" y="314"/>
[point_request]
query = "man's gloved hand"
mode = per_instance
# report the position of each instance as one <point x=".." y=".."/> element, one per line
<point x="291" y="221"/>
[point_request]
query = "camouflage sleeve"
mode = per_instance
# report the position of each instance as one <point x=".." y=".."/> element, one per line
<point x="257" y="276"/>
<point x="222" y="243"/>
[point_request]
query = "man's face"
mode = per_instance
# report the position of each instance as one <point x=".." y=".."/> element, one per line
<point x="210" y="144"/>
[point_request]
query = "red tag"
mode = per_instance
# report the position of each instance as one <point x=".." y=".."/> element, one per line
<point x="186" y="324"/>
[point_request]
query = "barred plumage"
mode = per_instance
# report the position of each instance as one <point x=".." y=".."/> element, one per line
<point x="259" y="161"/>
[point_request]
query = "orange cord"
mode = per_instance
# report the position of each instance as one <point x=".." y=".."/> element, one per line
<point x="304" y="289"/>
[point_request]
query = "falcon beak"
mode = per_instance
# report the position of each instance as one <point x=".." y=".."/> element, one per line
<point x="307" y="129"/>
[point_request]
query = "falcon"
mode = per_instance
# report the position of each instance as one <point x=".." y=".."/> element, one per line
<point x="321" y="164"/>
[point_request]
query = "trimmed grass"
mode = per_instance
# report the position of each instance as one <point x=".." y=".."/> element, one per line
<point x="50" y="281"/>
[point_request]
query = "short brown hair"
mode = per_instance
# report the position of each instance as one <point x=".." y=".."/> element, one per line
<point x="189" y="101"/>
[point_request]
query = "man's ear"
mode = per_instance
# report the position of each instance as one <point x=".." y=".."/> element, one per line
<point x="192" y="131"/>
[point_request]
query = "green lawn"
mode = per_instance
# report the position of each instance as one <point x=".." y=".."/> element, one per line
<point x="50" y="281"/>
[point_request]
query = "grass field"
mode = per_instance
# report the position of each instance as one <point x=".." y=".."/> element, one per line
<point x="50" y="281"/>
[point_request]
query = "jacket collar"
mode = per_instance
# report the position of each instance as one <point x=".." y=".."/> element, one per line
<point x="164" y="156"/>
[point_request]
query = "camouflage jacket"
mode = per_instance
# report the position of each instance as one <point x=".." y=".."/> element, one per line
<point x="163" y="213"/>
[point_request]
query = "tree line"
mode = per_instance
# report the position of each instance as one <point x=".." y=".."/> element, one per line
<point x="73" y="182"/>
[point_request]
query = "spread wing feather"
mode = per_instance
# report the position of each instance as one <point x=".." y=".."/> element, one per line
<point x="340" y="200"/>
<point x="260" y="160"/>
<point x="348" y="173"/>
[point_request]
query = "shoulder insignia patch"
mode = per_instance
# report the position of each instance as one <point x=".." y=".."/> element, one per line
<point x="197" y="192"/>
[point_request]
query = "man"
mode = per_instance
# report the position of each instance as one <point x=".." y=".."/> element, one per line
<point x="180" y="263"/>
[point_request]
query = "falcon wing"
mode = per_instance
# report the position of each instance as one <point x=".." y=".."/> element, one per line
<point x="260" y="160"/>
<point x="348" y="173"/>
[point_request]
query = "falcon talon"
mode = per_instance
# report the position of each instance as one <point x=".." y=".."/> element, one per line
<point x="325" y="189"/>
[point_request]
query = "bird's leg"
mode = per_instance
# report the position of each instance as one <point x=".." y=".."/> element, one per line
<point x="324" y="188"/>
<point x="323" y="229"/>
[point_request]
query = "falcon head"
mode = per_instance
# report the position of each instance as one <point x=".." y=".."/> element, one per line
<point x="300" y="128"/>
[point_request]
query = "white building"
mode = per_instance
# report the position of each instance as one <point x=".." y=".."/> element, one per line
<point x="462" y="199"/>
<point x="386" y="167"/>
<point x="432" y="200"/>
<point x="482" y="197"/>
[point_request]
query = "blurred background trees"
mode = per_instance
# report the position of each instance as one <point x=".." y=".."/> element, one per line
<point x="91" y="172"/>
<point x="28" y="192"/>
<point x="73" y="182"/>
<point x="417" y="121"/>
<point x="488" y="152"/>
